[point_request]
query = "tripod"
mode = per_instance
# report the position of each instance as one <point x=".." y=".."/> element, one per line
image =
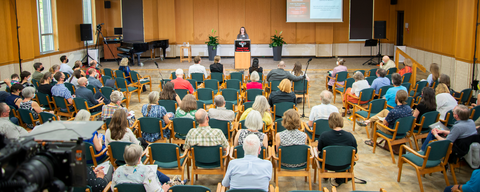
<point x="305" y="86"/>
<point x="98" y="33"/>
<point x="87" y="55"/>
<point x="371" y="43"/>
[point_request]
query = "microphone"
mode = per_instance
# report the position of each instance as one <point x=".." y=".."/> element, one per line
<point x="156" y="64"/>
<point x="101" y="24"/>
<point x="310" y="59"/>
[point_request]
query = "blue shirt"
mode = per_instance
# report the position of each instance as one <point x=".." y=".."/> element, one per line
<point x="398" y="112"/>
<point x="249" y="172"/>
<point x="462" y="129"/>
<point x="60" y="90"/>
<point x="391" y="93"/>
<point x="379" y="82"/>
<point x="474" y="183"/>
<point x="94" y="82"/>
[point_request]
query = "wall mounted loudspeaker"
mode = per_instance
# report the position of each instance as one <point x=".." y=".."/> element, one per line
<point x="107" y="4"/>
<point x="380" y="30"/>
<point x="86" y="32"/>
<point x="393" y="2"/>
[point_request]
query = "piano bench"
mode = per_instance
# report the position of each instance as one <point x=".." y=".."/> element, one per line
<point x="189" y="59"/>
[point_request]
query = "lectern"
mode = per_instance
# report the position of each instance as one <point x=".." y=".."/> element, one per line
<point x="242" y="54"/>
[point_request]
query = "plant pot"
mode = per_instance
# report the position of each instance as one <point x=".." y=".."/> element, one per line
<point x="212" y="52"/>
<point x="277" y="53"/>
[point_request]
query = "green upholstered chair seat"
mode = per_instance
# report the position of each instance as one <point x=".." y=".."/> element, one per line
<point x="295" y="168"/>
<point x="398" y="136"/>
<point x="168" y="165"/>
<point x="207" y="165"/>
<point x="101" y="160"/>
<point x="129" y="89"/>
<point x="339" y="89"/>
<point x="419" y="161"/>
<point x="180" y="136"/>
<point x="206" y="102"/>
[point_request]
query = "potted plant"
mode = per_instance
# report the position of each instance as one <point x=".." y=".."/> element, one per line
<point x="277" y="43"/>
<point x="212" y="45"/>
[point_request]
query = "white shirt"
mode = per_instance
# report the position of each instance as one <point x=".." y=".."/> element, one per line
<point x="358" y="86"/>
<point x="128" y="137"/>
<point x="445" y="103"/>
<point x="388" y="65"/>
<point x="322" y="111"/>
<point x="66" y="68"/>
<point x="306" y="76"/>
<point x="10" y="130"/>
<point x="197" y="68"/>
<point x="141" y="174"/>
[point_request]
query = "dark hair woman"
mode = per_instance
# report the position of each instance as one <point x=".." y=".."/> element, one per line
<point x="427" y="104"/>
<point x="168" y="93"/>
<point x="242" y="34"/>
<point x="255" y="67"/>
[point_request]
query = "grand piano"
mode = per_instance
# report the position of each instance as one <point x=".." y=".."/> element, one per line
<point x="131" y="48"/>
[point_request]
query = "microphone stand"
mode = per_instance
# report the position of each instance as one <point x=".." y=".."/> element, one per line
<point x="161" y="76"/>
<point x="305" y="86"/>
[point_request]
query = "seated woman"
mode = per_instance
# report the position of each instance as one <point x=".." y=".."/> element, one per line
<point x="28" y="94"/>
<point x="359" y="84"/>
<point x="118" y="129"/>
<point x="168" y="93"/>
<point x="261" y="105"/>
<point x="427" y="104"/>
<point x="135" y="172"/>
<point x="97" y="140"/>
<point x="78" y="66"/>
<point x="434" y="74"/>
<point x="297" y="70"/>
<point x="255" y="67"/>
<point x="336" y="136"/>
<point x="45" y="86"/>
<point x="399" y="111"/>
<point x="254" y="81"/>
<point x="116" y="98"/>
<point x="445" y="101"/>
<point x="339" y="68"/>
<point x="216" y="67"/>
<point x="284" y="94"/>
<point x="77" y="74"/>
<point x="187" y="108"/>
<point x="125" y="68"/>
<point x="254" y="125"/>
<point x="292" y="136"/>
<point x="152" y="109"/>
<point x="14" y="99"/>
<point x="408" y="67"/>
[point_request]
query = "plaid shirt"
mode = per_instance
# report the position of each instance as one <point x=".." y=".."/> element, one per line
<point x="205" y="136"/>
<point x="108" y="110"/>
<point x="60" y="90"/>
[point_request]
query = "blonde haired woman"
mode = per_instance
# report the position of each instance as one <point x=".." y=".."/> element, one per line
<point x="152" y="109"/>
<point x="261" y="105"/>
<point x="125" y="68"/>
<point x="445" y="101"/>
<point x="284" y="94"/>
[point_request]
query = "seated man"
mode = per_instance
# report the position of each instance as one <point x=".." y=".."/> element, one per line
<point x="380" y="81"/>
<point x="7" y="128"/>
<point x="180" y="83"/>
<point x="204" y="135"/>
<point x="60" y="90"/>
<point x="85" y="93"/>
<point x="249" y="172"/>
<point x="323" y="110"/>
<point x="64" y="67"/>
<point x="221" y="112"/>
<point x="93" y="80"/>
<point x="279" y="74"/>
<point x="197" y="68"/>
<point x="387" y="63"/>
<point x="392" y="92"/>
<point x="37" y="75"/>
<point x="93" y="65"/>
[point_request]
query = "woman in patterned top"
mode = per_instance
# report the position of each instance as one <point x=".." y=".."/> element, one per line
<point x="187" y="108"/>
<point x="254" y="125"/>
<point x="27" y="103"/>
<point x="292" y="136"/>
<point x="116" y="99"/>
<point x="154" y="110"/>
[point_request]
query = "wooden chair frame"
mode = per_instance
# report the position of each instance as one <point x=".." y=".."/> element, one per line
<point x="180" y="170"/>
<point x="204" y="171"/>
<point x="279" y="172"/>
<point x="391" y="142"/>
<point x="419" y="135"/>
<point x="355" y="115"/>
<point x="322" y="173"/>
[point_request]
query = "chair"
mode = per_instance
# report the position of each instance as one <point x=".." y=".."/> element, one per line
<point x="62" y="103"/>
<point x="212" y="84"/>
<point x="179" y="128"/>
<point x="423" y="127"/>
<point x="173" y="75"/>
<point x="231" y="95"/>
<point x="67" y="75"/>
<point x="189" y="188"/>
<point x="389" y="77"/>
<point x="91" y="154"/>
<point x="339" y="77"/>
<point x="247" y="105"/>
<point x="434" y="84"/>
<point x="82" y="189"/>
<point x="105" y="78"/>
<point x="168" y="158"/>
<point x="26" y="117"/>
<point x="347" y="83"/>
<point x="170" y="105"/>
<point x="372" y="72"/>
<point x="365" y="96"/>
<point x="374" y="107"/>
<point x="45" y="116"/>
<point x="151" y="125"/>
<point x="194" y="83"/>
<point x="80" y="103"/>
<point x="35" y="83"/>
<point x="383" y="90"/>
<point x="201" y="105"/>
<point x="475" y="113"/>
<point x="92" y="88"/>
<point x="233" y="84"/>
<point x="406" y="77"/>
<point x="108" y="72"/>
<point x="13" y="112"/>
<point x="238" y="152"/>
<point x="217" y="76"/>
<point x="237" y="76"/>
<point x="145" y="80"/>
<point x="418" y="88"/>
<point x="274" y="85"/>
<point x="163" y="82"/>
<point x="370" y="79"/>
<point x="278" y="127"/>
<point x="408" y="86"/>
<point x="230" y="106"/>
<point x="121" y="74"/>
<point x="402" y="127"/>
<point x="295" y="154"/>
<point x="127" y="89"/>
<point x="45" y="101"/>
<point x="199" y="77"/>
<point x="280" y="108"/>
<point x="434" y="159"/>
<point x="449" y="119"/>
<point x="107" y="91"/>
<point x="361" y="71"/>
<point x="392" y="70"/>
<point x="300" y="87"/>
<point x="70" y="87"/>
<point x="207" y="160"/>
<point x="129" y="187"/>
<point x="225" y="126"/>
<point x="206" y="95"/>
<point x="465" y="96"/>
<point x="115" y="152"/>
<point x="181" y="92"/>
<point x="250" y="94"/>
<point x="335" y="156"/>
<point x="319" y="126"/>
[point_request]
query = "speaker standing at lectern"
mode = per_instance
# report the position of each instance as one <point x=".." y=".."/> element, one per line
<point x="243" y="34"/>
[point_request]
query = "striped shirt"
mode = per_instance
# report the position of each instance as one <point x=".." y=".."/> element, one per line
<point x="205" y="136"/>
<point x="60" y="90"/>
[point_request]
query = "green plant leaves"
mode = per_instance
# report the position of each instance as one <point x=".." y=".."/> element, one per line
<point x="277" y="39"/>
<point x="212" y="39"/>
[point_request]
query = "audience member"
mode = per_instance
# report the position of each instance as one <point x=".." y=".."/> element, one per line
<point x="392" y="92"/>
<point x="434" y="74"/>
<point x="387" y="63"/>
<point x="284" y="94"/>
<point x="471" y="186"/>
<point x="297" y="70"/>
<point x="54" y="69"/>
<point x="3" y="96"/>
<point x="45" y="86"/>
<point x="197" y="68"/>
<point x="399" y="111"/>
<point x="37" y="75"/>
<point x="254" y="125"/>
<point x="60" y="90"/>
<point x="180" y="83"/>
<point x="255" y="82"/>
<point x="92" y="100"/>
<point x="255" y="67"/>
<point x="323" y="110"/>
<point x="28" y="94"/>
<point x="380" y="81"/>
<point x="135" y="172"/>
<point x="14" y="79"/>
<point x="26" y="78"/>
<point x="168" y="93"/>
<point x="152" y="109"/>
<point x="339" y="68"/>
<point x="118" y="129"/>
<point x="221" y="112"/>
<point x="64" y="67"/>
<point x="445" y="79"/>
<point x="249" y="172"/>
<point x="463" y="128"/>
<point x="92" y="79"/>
<point x="98" y="179"/>
<point x="7" y="128"/>
<point x="292" y="135"/>
<point x="123" y="67"/>
<point x="359" y="85"/>
<point x="77" y="66"/>
<point x="408" y="67"/>
<point x="116" y="98"/>
<point x="204" y="135"/>
<point x="427" y="104"/>
<point x="279" y="74"/>
<point x="187" y="108"/>
<point x="445" y="101"/>
<point x="77" y="74"/>
<point x="261" y="105"/>
<point x="217" y="67"/>
<point x="97" y="139"/>
<point x="93" y="65"/>
<point x="14" y="99"/>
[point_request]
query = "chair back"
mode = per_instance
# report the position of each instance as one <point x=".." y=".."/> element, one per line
<point x="320" y="126"/>
<point x="338" y="155"/>
<point x="229" y="105"/>
<point x="405" y="125"/>
<point x="230" y="95"/>
<point x="435" y="84"/>
<point x="181" y="92"/>
<point x="121" y="83"/>
<point x="105" y="78"/>
<point x="207" y="156"/>
<point x="341" y="76"/>
<point x="201" y="105"/>
<point x="150" y="124"/>
<point x="117" y="149"/>
<point x="451" y="119"/>
<point x="466" y="95"/>
<point x="366" y="94"/>
<point x="164" y="152"/>
<point x="222" y="125"/>
<point x="119" y="73"/>
<point x="392" y="70"/>
<point x="183" y="125"/>
<point x="439" y="149"/>
<point x="430" y="118"/>
<point x="43" y="100"/>
<point x="67" y="76"/>
<point x="173" y="75"/>
<point x="384" y="90"/>
<point x="70" y="87"/>
<point x="193" y="82"/>
<point x="294" y="154"/>
<point x="299" y="87"/>
<point x="217" y="76"/>
<point x="234" y="84"/>
<point x="238" y="152"/>
<point x="134" y="76"/>
<point x="372" y="72"/>
<point x="130" y="187"/>
<point x="107" y="72"/>
<point x="106" y="91"/>
<point x="237" y="76"/>
<point x="278" y="125"/>
<point x="199" y="77"/>
<point x="410" y="102"/>
<point x="45" y="116"/>
<point x="361" y="71"/>
<point x="247" y="105"/>
<point x="13" y="111"/>
<point x="370" y="79"/>
<point x="205" y="94"/>
<point x="348" y="83"/>
<point x="88" y="155"/>
<point x="35" y="83"/>
<point x="53" y="83"/>
<point x="92" y="88"/>
<point x="170" y="105"/>
<point x="252" y="93"/>
<point x="408" y="86"/>
<point x="280" y="108"/>
<point x="212" y="84"/>
<point x="274" y="85"/>
<point x="189" y="188"/>
<point x="163" y="82"/>
<point x="389" y="77"/>
<point x="80" y="103"/>
<point x="377" y="105"/>
<point x="406" y="77"/>
<point x="25" y="115"/>
<point x="107" y="122"/>
<point x="60" y="102"/>
<point x="420" y="85"/>
<point x="475" y="112"/>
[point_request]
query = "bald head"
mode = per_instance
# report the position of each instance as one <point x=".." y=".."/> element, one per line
<point x="385" y="59"/>
<point x="201" y="117"/>
<point x="281" y="64"/>
<point x="82" y="81"/>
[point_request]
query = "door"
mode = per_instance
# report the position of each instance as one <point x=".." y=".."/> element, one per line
<point x="400" y="26"/>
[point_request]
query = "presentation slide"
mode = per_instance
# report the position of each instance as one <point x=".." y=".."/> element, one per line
<point x="314" y="10"/>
